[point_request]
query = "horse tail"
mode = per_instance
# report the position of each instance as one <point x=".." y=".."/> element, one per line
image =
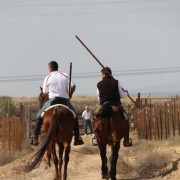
<point x="40" y="153"/>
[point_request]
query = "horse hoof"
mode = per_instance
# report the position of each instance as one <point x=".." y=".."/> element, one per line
<point x="104" y="176"/>
<point x="56" y="178"/>
<point x="114" y="178"/>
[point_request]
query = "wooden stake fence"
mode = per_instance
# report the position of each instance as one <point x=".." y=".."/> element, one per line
<point x="159" y="120"/>
<point x="12" y="132"/>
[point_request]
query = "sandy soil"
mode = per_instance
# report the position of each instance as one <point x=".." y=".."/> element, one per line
<point x="145" y="160"/>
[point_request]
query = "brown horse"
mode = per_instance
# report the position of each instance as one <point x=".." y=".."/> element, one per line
<point x="109" y="129"/>
<point x="58" y="124"/>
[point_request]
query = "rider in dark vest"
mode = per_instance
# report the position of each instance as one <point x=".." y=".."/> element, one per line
<point x="56" y="85"/>
<point x="110" y="90"/>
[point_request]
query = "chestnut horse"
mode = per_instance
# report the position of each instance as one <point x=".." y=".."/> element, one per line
<point x="58" y="123"/>
<point x="109" y="129"/>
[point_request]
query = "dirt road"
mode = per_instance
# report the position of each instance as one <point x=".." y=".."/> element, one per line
<point x="145" y="160"/>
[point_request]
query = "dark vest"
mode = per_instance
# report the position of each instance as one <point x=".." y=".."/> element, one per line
<point x="108" y="90"/>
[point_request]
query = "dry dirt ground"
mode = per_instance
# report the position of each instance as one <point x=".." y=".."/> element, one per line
<point x="145" y="160"/>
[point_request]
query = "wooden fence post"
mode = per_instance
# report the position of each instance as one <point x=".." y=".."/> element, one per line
<point x="154" y="121"/>
<point x="157" y="122"/>
<point x="178" y="118"/>
<point x="168" y="118"/>
<point x="161" y="127"/>
<point x="29" y="122"/>
<point x="174" y="112"/>
<point x="139" y="100"/>
<point x="150" y="120"/>
<point x="165" y="118"/>
<point x="145" y="119"/>
<point x="173" y="123"/>
<point x="14" y="136"/>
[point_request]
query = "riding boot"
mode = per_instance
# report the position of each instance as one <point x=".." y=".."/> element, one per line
<point x="77" y="139"/>
<point x="127" y="141"/>
<point x="34" y="138"/>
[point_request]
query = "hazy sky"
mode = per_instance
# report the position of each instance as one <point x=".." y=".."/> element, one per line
<point x="123" y="34"/>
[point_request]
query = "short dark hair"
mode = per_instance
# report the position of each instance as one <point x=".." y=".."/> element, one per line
<point x="53" y="65"/>
<point x="106" y="71"/>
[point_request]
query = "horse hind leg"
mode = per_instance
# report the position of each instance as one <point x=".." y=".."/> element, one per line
<point x="66" y="160"/>
<point x="48" y="158"/>
<point x="61" y="150"/>
<point x="104" y="168"/>
<point x="55" y="160"/>
<point x="114" y="157"/>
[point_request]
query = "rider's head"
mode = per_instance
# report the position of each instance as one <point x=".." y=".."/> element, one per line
<point x="106" y="72"/>
<point x="53" y="66"/>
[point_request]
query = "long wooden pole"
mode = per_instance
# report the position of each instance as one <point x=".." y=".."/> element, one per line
<point x="102" y="65"/>
<point x="70" y="74"/>
<point x="90" y="51"/>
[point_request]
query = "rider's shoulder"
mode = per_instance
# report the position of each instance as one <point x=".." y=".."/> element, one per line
<point x="66" y="74"/>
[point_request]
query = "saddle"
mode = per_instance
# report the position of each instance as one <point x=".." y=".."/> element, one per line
<point x="106" y="110"/>
<point x="60" y="102"/>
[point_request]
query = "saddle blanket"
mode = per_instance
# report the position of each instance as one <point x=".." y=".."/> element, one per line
<point x="62" y="105"/>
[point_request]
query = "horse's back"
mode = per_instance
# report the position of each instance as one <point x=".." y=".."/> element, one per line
<point x="110" y="129"/>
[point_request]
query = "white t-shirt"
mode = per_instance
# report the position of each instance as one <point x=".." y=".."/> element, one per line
<point x="86" y="115"/>
<point x="57" y="84"/>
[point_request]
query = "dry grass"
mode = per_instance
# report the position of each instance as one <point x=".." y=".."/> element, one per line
<point x="80" y="102"/>
<point x="149" y="159"/>
<point x="8" y="157"/>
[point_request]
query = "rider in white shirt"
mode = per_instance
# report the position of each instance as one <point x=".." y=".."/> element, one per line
<point x="56" y="85"/>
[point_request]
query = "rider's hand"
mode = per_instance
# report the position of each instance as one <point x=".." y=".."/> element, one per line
<point x="125" y="90"/>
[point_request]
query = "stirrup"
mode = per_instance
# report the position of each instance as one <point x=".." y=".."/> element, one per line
<point x="127" y="143"/>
